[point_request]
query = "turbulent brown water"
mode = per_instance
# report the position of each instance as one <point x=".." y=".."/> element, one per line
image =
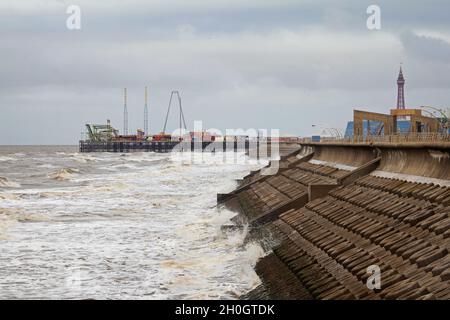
<point x="119" y="226"/>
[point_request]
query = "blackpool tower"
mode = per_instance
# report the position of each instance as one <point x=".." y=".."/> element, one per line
<point x="401" y="90"/>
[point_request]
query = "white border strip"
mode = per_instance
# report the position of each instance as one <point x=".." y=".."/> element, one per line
<point x="333" y="165"/>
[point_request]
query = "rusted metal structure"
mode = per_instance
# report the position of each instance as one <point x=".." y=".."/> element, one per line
<point x="98" y="132"/>
<point x="418" y="122"/>
<point x="390" y="126"/>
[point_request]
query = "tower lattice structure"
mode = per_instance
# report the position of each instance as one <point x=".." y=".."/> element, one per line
<point x="401" y="90"/>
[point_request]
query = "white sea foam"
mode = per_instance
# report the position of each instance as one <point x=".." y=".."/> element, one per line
<point x="333" y="165"/>
<point x="123" y="166"/>
<point x="439" y="155"/>
<point x="46" y="166"/>
<point x="84" y="158"/>
<point x="4" y="159"/>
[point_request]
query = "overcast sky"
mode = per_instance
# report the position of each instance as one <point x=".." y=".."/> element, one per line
<point x="238" y="64"/>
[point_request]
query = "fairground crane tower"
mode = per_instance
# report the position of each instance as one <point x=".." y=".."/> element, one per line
<point x="145" y="112"/>
<point x="125" y="112"/>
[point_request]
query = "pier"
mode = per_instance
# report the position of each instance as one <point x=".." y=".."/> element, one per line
<point x="165" y="146"/>
<point x="142" y="146"/>
<point x="256" y="147"/>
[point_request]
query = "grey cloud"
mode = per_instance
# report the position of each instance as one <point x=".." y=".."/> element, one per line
<point x="426" y="47"/>
<point x="267" y="64"/>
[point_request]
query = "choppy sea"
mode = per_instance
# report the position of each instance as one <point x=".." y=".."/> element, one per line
<point x="120" y="226"/>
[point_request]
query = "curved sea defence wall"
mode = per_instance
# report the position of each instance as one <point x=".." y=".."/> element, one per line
<point x="426" y="162"/>
<point x="334" y="212"/>
<point x="351" y="156"/>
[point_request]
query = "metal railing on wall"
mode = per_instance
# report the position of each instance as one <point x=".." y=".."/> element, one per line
<point x="397" y="138"/>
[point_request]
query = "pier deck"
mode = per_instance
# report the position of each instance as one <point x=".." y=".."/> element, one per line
<point x="161" y="146"/>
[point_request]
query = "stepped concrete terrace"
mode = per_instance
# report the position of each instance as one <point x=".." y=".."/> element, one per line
<point x="332" y="210"/>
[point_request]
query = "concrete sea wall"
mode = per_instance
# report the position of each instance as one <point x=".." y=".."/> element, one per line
<point x="333" y="211"/>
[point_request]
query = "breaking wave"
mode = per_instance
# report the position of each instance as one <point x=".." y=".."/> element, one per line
<point x="84" y="158"/>
<point x="4" y="159"/>
<point x="64" y="174"/>
<point x="8" y="217"/>
<point x="5" y="183"/>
